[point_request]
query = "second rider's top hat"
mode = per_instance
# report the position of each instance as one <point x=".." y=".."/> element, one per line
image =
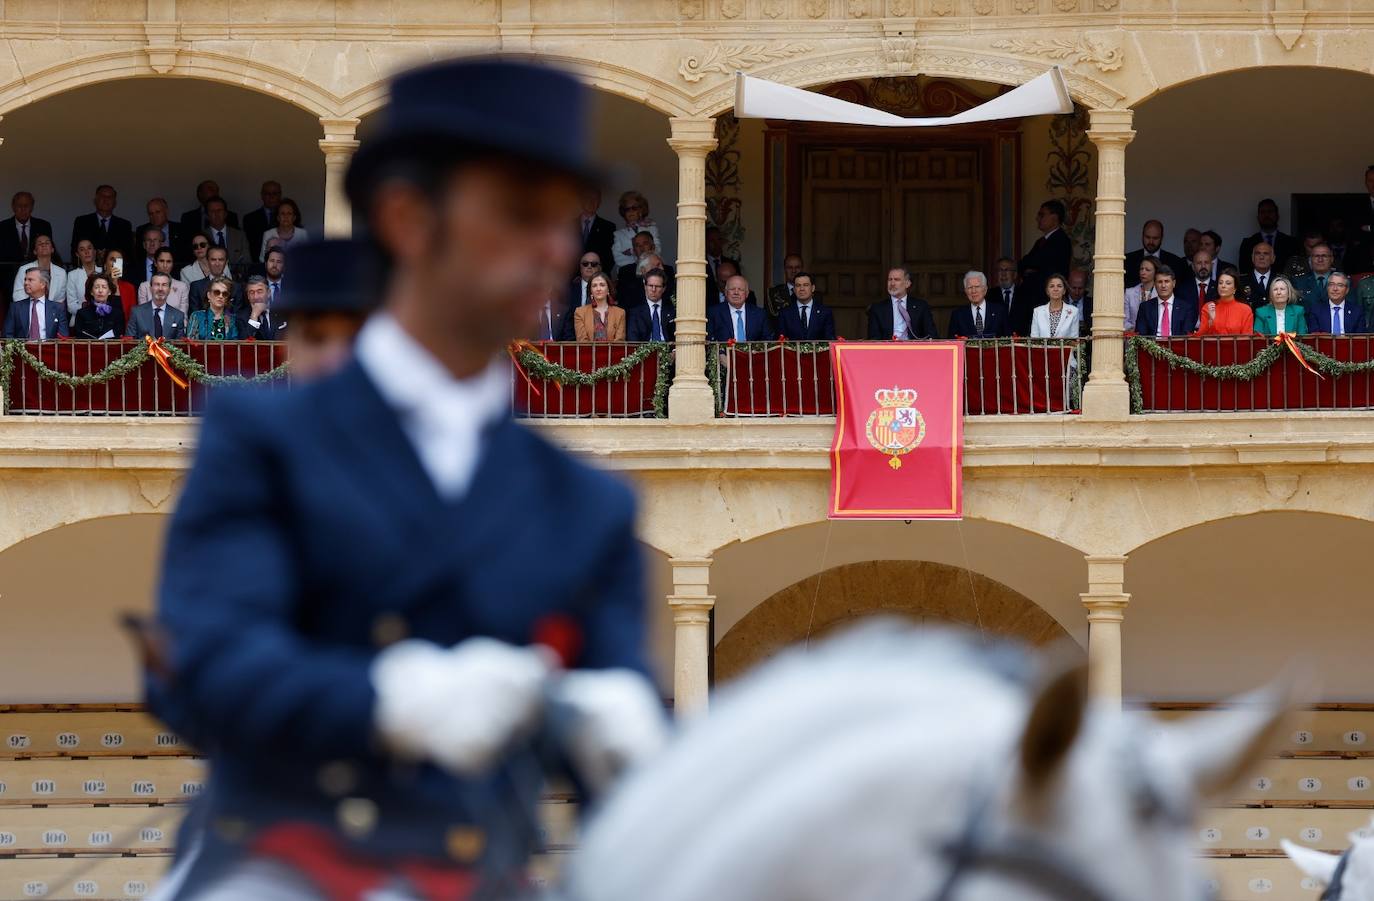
<point x="507" y="108"/>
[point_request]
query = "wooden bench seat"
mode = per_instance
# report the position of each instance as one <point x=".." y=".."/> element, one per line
<point x="80" y="878"/>
<point x="1307" y="782"/>
<point x="115" y="830"/>
<point x="1259" y="879"/>
<point x="82" y="733"/>
<point x="99" y="781"/>
<point x="1258" y="830"/>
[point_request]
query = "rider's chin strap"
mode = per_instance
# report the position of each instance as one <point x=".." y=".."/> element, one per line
<point x="1333" y="889"/>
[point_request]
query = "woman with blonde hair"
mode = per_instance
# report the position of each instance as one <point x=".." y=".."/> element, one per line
<point x="634" y="209"/>
<point x="599" y="319"/>
<point x="1282" y="313"/>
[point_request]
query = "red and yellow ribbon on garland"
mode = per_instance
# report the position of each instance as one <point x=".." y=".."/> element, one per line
<point x="1285" y="339"/>
<point x="158" y="351"/>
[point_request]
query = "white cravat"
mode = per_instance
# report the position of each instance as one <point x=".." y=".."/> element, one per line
<point x="442" y="416"/>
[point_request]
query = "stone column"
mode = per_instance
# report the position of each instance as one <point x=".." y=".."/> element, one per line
<point x="691" y="606"/>
<point x="1106" y="395"/>
<point x="338" y="146"/>
<point x="1106" y="603"/>
<point x="690" y="399"/>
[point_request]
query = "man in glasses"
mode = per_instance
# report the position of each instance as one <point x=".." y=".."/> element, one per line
<point x="589" y="266"/>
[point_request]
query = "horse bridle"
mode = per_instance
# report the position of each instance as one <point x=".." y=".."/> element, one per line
<point x="1333" y="888"/>
<point x="1032" y="862"/>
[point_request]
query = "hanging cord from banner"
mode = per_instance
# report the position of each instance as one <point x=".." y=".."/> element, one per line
<point x="972" y="587"/>
<point x="820" y="576"/>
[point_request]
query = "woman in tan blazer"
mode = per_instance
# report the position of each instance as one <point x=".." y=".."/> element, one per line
<point x="599" y="320"/>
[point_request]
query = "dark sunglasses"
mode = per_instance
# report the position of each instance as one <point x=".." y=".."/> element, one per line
<point x="219" y="292"/>
<point x="197" y="245"/>
<point x="590" y="263"/>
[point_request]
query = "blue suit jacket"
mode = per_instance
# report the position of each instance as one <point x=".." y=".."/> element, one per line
<point x="1182" y="318"/>
<point x="720" y="323"/>
<point x="285" y="578"/>
<point x="1319" y="317"/>
<point x="17" y="320"/>
<point x="820" y="325"/>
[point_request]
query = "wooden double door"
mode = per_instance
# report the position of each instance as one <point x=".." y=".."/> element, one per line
<point x="865" y="209"/>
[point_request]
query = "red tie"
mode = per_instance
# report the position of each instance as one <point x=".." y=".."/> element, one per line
<point x="1164" y="331"/>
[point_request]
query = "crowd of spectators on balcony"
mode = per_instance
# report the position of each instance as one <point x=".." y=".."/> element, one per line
<point x="202" y="276"/>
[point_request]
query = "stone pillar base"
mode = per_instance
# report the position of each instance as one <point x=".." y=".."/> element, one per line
<point x="691" y="607"/>
<point x="1106" y="603"/>
<point x="1106" y="401"/>
<point x="691" y="403"/>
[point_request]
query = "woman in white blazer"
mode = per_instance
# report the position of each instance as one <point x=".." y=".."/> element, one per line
<point x="57" y="276"/>
<point x="1055" y="319"/>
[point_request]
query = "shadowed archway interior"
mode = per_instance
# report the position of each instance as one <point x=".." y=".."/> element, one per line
<point x="916" y="590"/>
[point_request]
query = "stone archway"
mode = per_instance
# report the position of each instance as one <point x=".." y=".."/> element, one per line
<point x="921" y="591"/>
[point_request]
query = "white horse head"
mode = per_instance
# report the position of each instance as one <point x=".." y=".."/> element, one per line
<point x="889" y="764"/>
<point x="1356" y="882"/>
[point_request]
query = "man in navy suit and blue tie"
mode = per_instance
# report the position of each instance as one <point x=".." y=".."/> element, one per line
<point x="656" y="318"/>
<point x="381" y="584"/>
<point x="1334" y="316"/>
<point x="736" y="319"/>
<point x="806" y="318"/>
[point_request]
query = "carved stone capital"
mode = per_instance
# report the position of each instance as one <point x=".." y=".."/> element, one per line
<point x="164" y="45"/>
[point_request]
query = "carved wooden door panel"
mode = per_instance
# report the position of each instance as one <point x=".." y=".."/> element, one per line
<point x="847" y="230"/>
<point x="865" y="209"/>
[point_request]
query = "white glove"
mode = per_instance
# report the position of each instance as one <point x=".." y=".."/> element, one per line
<point x="459" y="707"/>
<point x="616" y="721"/>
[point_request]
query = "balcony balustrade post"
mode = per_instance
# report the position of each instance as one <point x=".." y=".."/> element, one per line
<point x="1106" y="602"/>
<point x="1106" y="396"/>
<point x="691" y="606"/>
<point x="690" y="399"/>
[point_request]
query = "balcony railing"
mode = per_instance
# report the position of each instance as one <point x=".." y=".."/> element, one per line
<point x="125" y="377"/>
<point x="558" y="381"/>
<point x="1233" y="373"/>
<point x="1001" y="377"/>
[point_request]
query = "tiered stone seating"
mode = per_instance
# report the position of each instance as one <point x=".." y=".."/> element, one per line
<point x="1316" y="791"/>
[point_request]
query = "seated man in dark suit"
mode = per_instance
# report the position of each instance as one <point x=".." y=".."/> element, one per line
<point x="737" y="319"/>
<point x="139" y="268"/>
<point x="899" y="316"/>
<point x="1079" y="296"/>
<point x="1016" y="296"/>
<point x="1254" y="285"/>
<point x="1312" y="285"/>
<point x="980" y="317"/>
<point x="630" y="289"/>
<point x="1165" y="315"/>
<point x="157" y="318"/>
<point x="1211" y="242"/>
<point x="172" y="235"/>
<point x="726" y="269"/>
<point x="257" y="320"/>
<point x="806" y="318"/>
<point x="579" y="288"/>
<point x="17" y="234"/>
<point x="262" y="220"/>
<point x="198" y="219"/>
<point x="555" y="320"/>
<point x="781" y="295"/>
<point x="598" y="234"/>
<point x="1283" y="246"/>
<point x="656" y="318"/>
<point x="1334" y="316"/>
<point x="1201" y="287"/>
<point x="103" y="228"/>
<point x="1151" y="245"/>
<point x="37" y="318"/>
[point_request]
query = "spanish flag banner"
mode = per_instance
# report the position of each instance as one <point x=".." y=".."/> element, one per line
<point x="899" y="430"/>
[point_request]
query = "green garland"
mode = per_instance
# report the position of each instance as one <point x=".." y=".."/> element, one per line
<point x="16" y="349"/>
<point x="537" y="366"/>
<point x="1244" y="372"/>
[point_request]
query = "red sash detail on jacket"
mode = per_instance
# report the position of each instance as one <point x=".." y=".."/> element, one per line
<point x="341" y="875"/>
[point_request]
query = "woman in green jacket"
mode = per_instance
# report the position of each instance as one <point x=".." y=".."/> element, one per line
<point x="1282" y="304"/>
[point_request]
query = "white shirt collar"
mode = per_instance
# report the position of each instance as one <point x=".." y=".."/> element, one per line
<point x="897" y="300"/>
<point x="442" y="416"/>
<point x="979" y="305"/>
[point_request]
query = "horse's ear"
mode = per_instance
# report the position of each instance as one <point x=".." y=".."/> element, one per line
<point x="1054" y="722"/>
<point x="1317" y="864"/>
<point x="1219" y="749"/>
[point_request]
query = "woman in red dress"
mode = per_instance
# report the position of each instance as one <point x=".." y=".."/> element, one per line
<point x="1226" y="315"/>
